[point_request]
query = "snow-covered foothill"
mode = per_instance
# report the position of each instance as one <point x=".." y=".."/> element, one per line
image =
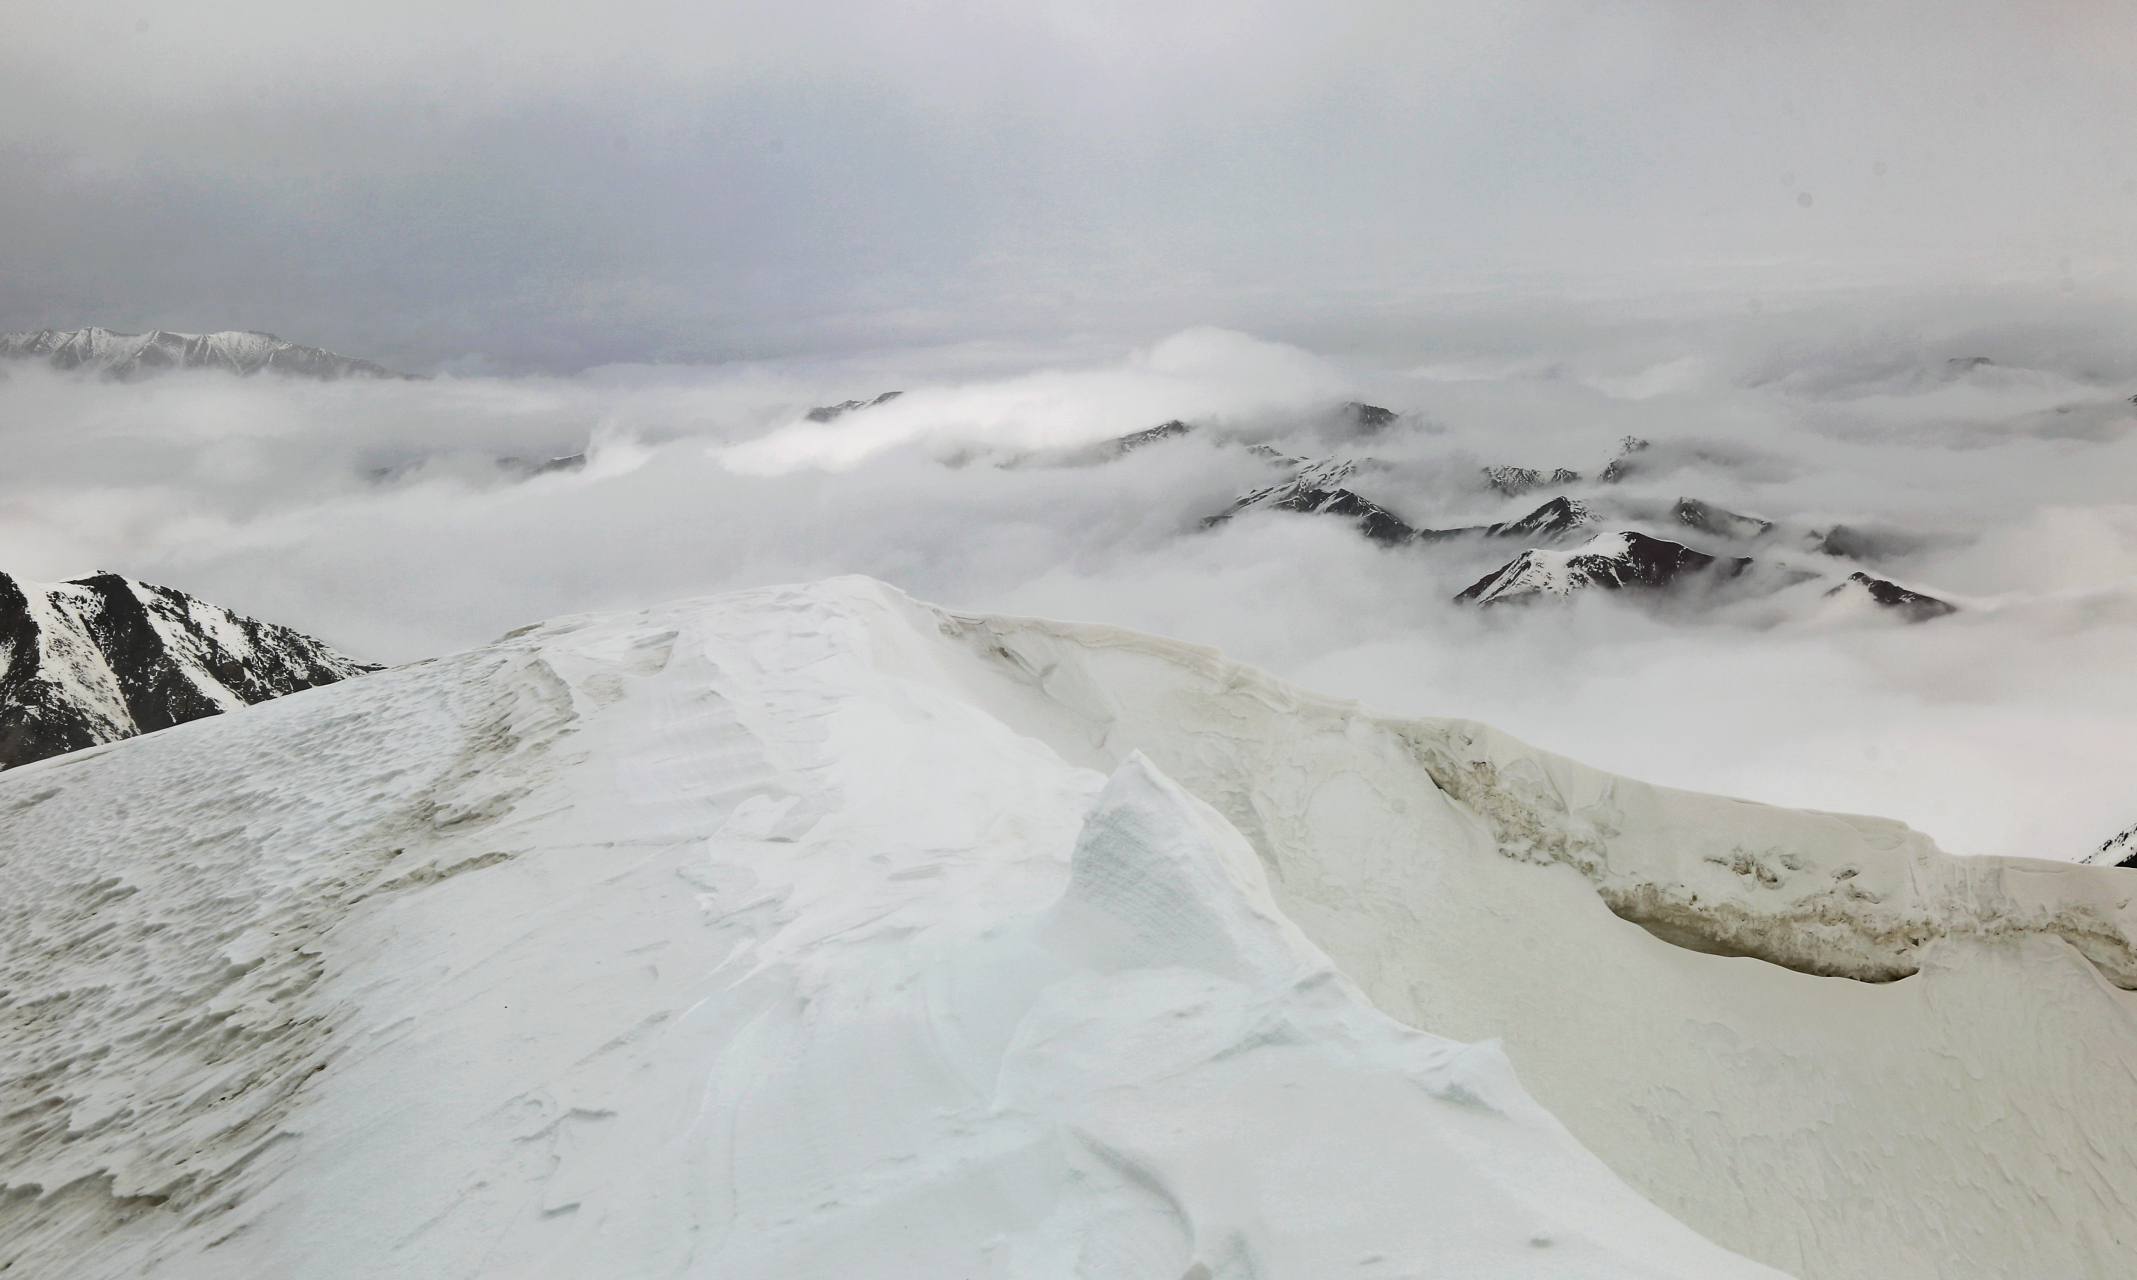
<point x="813" y="931"/>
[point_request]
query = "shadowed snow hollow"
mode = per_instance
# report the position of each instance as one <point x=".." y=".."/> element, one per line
<point x="813" y="931"/>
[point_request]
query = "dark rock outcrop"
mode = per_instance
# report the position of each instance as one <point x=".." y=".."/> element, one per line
<point x="829" y="412"/>
<point x="1846" y="542"/>
<point x="1913" y="605"/>
<point x="104" y="658"/>
<point x="1554" y="521"/>
<point x="1624" y="464"/>
<point x="1147" y="436"/>
<point x="1717" y="522"/>
<point x="1515" y="481"/>
<point x="1613" y="561"/>
<point x="1317" y="490"/>
<point x="1365" y="419"/>
<point x="2118" y="850"/>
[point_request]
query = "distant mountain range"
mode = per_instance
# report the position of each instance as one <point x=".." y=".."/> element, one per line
<point x="103" y="658"/>
<point x="132" y="355"/>
<point x="1609" y="558"/>
<point x="1610" y="553"/>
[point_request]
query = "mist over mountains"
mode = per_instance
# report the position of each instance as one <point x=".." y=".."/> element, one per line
<point x="405" y="519"/>
<point x="908" y="645"/>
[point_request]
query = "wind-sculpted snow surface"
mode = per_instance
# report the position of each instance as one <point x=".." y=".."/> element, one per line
<point x="813" y="931"/>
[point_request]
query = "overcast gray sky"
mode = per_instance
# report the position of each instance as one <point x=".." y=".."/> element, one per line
<point x="528" y="185"/>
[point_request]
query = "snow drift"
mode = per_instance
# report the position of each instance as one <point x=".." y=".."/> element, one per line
<point x="812" y="931"/>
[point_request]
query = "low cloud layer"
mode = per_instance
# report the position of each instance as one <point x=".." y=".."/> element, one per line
<point x="1982" y="447"/>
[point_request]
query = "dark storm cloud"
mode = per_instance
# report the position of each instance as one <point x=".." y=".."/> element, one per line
<point x="556" y="186"/>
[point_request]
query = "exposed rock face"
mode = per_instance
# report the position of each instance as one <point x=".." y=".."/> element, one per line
<point x="104" y="658"/>
<point x="1913" y="604"/>
<point x="2118" y="850"/>
<point x="1551" y="522"/>
<point x="525" y="467"/>
<point x="1134" y="440"/>
<point x="1317" y="489"/>
<point x="1611" y="561"/>
<point x="829" y="412"/>
<point x="1710" y="519"/>
<point x="132" y="355"/>
<point x="1846" y="542"/>
<point x="1623" y="465"/>
<point x="1515" y="481"/>
<point x="1365" y="419"/>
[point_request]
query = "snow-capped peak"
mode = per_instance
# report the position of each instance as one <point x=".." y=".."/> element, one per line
<point x="104" y="658"/>
<point x="1610" y="560"/>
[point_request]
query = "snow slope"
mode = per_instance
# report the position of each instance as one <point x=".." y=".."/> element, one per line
<point x="814" y="932"/>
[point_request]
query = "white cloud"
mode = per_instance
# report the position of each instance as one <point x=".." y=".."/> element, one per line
<point x="377" y="516"/>
<point x="1205" y="374"/>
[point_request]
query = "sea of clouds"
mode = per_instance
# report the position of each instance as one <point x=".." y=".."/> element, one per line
<point x="403" y="519"/>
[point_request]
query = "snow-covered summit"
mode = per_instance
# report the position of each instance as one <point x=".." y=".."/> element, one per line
<point x="129" y="355"/>
<point x="1317" y="488"/>
<point x="104" y="658"/>
<point x="812" y="931"/>
<point x="1609" y="560"/>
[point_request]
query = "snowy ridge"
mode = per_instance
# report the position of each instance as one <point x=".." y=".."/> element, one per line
<point x="1316" y="489"/>
<point x="815" y="931"/>
<point x="1916" y="606"/>
<point x="2118" y="850"/>
<point x="129" y="355"/>
<point x="1609" y="560"/>
<point x="104" y="658"/>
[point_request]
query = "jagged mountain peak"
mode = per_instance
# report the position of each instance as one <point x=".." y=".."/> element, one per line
<point x="1717" y="521"/>
<point x="1914" y="605"/>
<point x="1609" y="560"/>
<point x="2118" y="850"/>
<point x="131" y="355"/>
<point x="97" y="659"/>
<point x="1554" y="520"/>
<point x="1515" y="481"/>
<point x="1317" y="488"/>
<point x="833" y="412"/>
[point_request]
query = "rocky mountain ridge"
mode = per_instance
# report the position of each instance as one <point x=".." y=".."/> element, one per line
<point x="124" y="356"/>
<point x="102" y="658"/>
<point x="1614" y="556"/>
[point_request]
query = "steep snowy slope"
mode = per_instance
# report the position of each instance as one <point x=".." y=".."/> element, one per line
<point x="130" y="355"/>
<point x="727" y="940"/>
<point x="1608" y="560"/>
<point x="813" y="932"/>
<point x="104" y="658"/>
